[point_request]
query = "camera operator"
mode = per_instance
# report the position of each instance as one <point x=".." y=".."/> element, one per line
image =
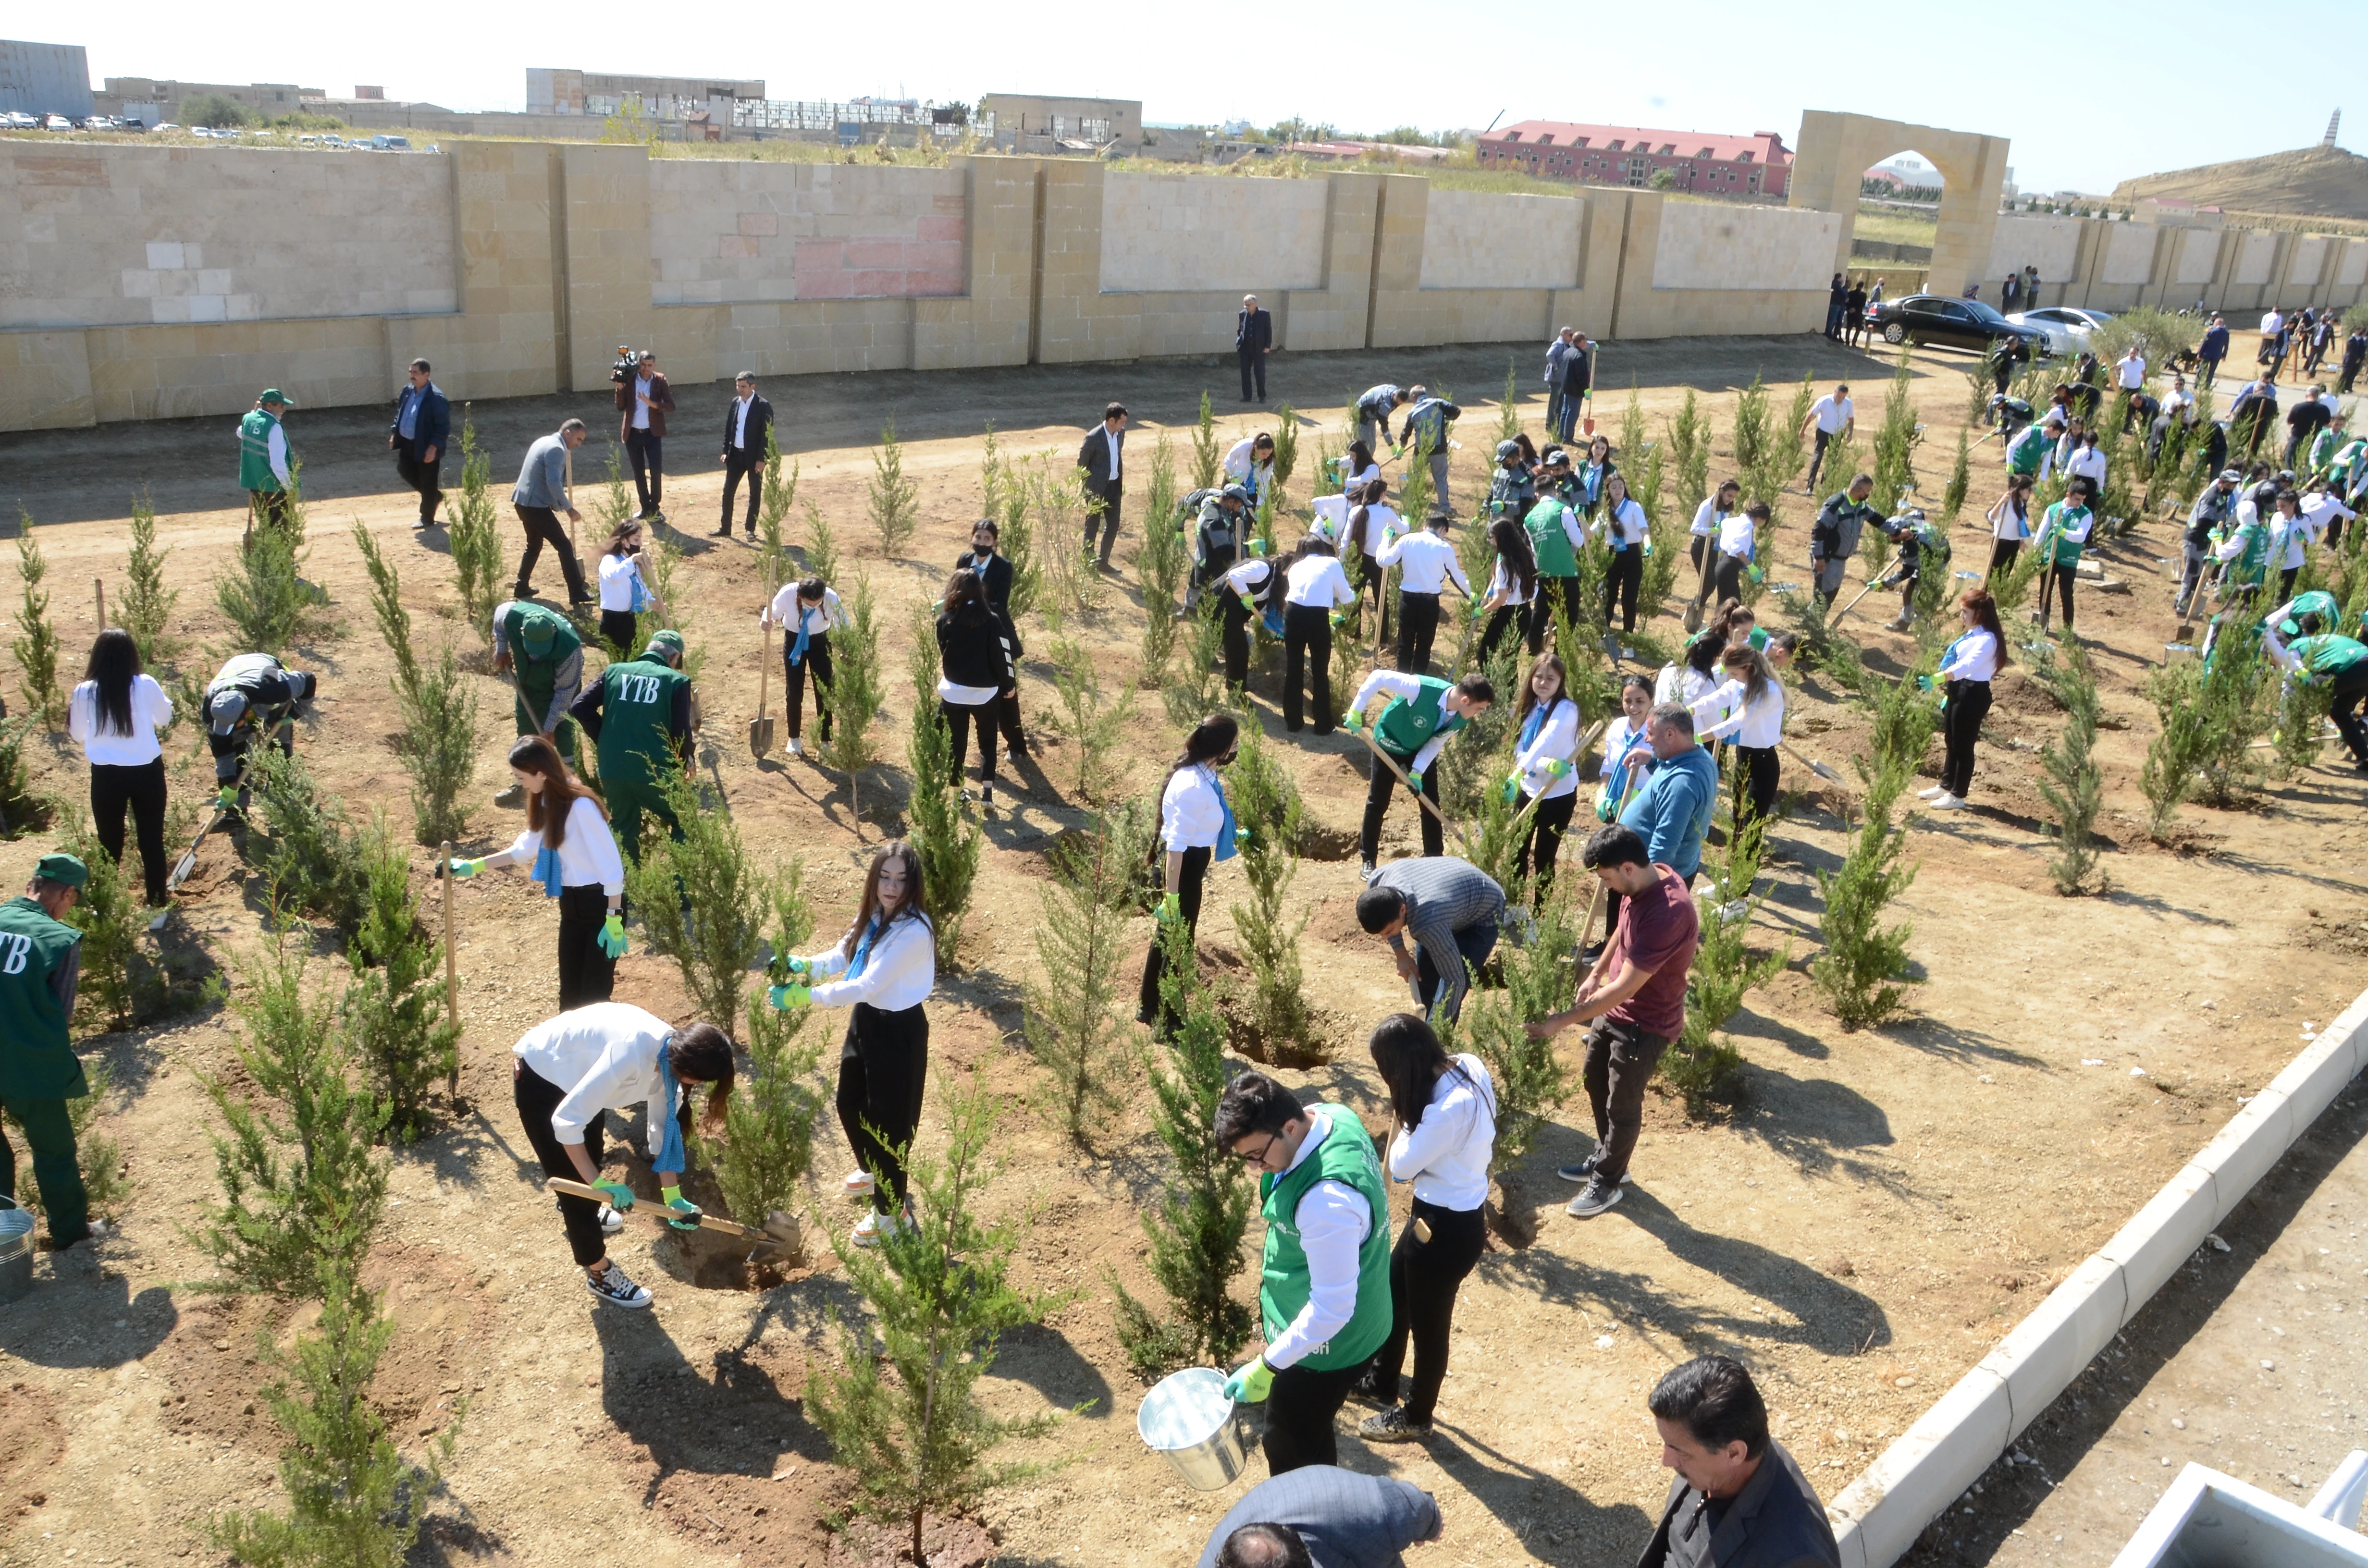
<point x="643" y="400"/>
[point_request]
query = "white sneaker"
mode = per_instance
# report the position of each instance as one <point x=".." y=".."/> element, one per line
<point x="1934" y="793"/>
<point x="611" y="1220"/>
<point x="615" y="1290"/>
<point x="856" y="1184"/>
<point x="867" y="1230"/>
<point x="794" y="748"/>
<point x="1949" y="804"/>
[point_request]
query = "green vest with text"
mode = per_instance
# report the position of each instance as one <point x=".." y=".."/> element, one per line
<point x="1556" y="558"/>
<point x="2250" y="567"/>
<point x="1405" y="727"/>
<point x="37" y="1058"/>
<point x="2328" y="655"/>
<point x="1347" y="1157"/>
<point x="639" y="700"/>
<point x="254" y="452"/>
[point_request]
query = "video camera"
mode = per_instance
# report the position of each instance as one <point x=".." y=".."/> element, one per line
<point x="628" y="365"/>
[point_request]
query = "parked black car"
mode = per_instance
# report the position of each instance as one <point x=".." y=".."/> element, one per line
<point x="1951" y="323"/>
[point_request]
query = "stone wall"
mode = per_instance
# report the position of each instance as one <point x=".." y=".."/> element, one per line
<point x="1476" y="240"/>
<point x="1722" y="247"/>
<point x="1186" y="233"/>
<point x="2026" y="239"/>
<point x="746" y="233"/>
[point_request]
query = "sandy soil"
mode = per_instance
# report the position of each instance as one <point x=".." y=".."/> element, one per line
<point x="1881" y="1209"/>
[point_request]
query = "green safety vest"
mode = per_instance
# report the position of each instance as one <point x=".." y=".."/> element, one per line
<point x="637" y="701"/>
<point x="37" y="1058"/>
<point x="2063" y="552"/>
<point x="1551" y="545"/>
<point x="2328" y="655"/>
<point x="2252" y="564"/>
<point x="1347" y="1157"/>
<point x="2023" y="454"/>
<point x="254" y="452"/>
<point x="537" y="671"/>
<point x="1405" y="728"/>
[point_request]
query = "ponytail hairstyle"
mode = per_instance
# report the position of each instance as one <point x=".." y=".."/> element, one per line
<point x="1719" y="619"/>
<point x="1406" y="1052"/>
<point x="912" y="903"/>
<point x="547" y="809"/>
<point x="1512" y="542"/>
<point x="114" y="669"/>
<point x="1985" y="618"/>
<point x="1739" y="617"/>
<point x="1749" y="664"/>
<point x="703" y="1052"/>
<point x="1701" y="654"/>
<point x="1211" y="741"/>
<point x="1549" y="660"/>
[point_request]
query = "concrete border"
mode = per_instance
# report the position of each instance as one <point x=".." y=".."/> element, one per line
<point x="1878" y="1517"/>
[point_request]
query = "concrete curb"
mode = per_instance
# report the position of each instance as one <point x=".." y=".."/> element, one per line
<point x="1878" y="1517"/>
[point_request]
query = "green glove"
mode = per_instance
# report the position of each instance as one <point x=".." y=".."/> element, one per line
<point x="1923" y="683"/>
<point x="1257" y="548"/>
<point x="682" y="1206"/>
<point x="788" y="996"/>
<point x="612" y="936"/>
<point x="1250" y="605"/>
<point x="1241" y="834"/>
<point x="1513" y="787"/>
<point x="1171" y="908"/>
<point x="796" y="965"/>
<point x="226" y="797"/>
<point x="1354" y="720"/>
<point x="1414" y="780"/>
<point x="1250" y="1384"/>
<point x="1338" y="619"/>
<point x="1558" y="768"/>
<point x="465" y="869"/>
<point x="619" y="1196"/>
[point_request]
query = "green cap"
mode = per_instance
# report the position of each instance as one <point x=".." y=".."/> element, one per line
<point x="63" y="868"/>
<point x="669" y="643"/>
<point x="273" y="394"/>
<point x="537" y="633"/>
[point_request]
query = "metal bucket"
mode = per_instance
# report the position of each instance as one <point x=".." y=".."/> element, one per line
<point x="2172" y="652"/>
<point x="1189" y="1418"/>
<point x="16" y="1253"/>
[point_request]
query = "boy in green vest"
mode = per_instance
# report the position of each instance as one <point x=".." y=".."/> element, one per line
<point x="639" y="714"/>
<point x="263" y="470"/>
<point x="1556" y="538"/>
<point x="1324" y="1291"/>
<point x="1423" y="710"/>
<point x="2297" y="637"/>
<point x="546" y="654"/>
<point x="41" y="965"/>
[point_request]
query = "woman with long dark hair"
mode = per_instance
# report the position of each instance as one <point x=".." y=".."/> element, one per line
<point x="1196" y="826"/>
<point x="1715" y="510"/>
<point x="624" y="591"/>
<point x="1749" y="706"/>
<point x="808" y="611"/>
<point x="573" y="852"/>
<point x="1964" y="675"/>
<point x="1594" y="473"/>
<point x="1511" y="589"/>
<point x="1628" y="531"/>
<point x="115" y="713"/>
<point x="2010" y="520"/>
<point x="568" y="1073"/>
<point x="888" y="957"/>
<point x="1358" y="469"/>
<point x="978" y="653"/>
<point x="1734" y="548"/>
<point x="1545" y="767"/>
<point x="1314" y="588"/>
<point x="1446" y="1114"/>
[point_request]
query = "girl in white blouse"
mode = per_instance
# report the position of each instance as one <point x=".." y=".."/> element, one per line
<point x="1748" y="706"/>
<point x="1964" y="675"/>
<point x="1545" y="767"/>
<point x="1314" y="588"/>
<point x="1628" y="532"/>
<point x="2010" y="519"/>
<point x="1446" y="1114"/>
<point x="624" y="592"/>
<point x="808" y="611"/>
<point x="1513" y="587"/>
<point x="115" y="713"/>
<point x="888" y="957"/>
<point x="1358" y="469"/>
<point x="1627" y="750"/>
<point x="1249" y="586"/>
<point x="1196" y="826"/>
<point x="1735" y="550"/>
<point x="1715" y="510"/>
<point x="573" y="853"/>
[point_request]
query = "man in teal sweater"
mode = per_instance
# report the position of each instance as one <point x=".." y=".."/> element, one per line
<point x="1672" y="812"/>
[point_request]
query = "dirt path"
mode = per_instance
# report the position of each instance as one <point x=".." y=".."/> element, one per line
<point x="1882" y="1207"/>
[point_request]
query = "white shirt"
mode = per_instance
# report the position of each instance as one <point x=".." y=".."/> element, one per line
<point x="1331" y="515"/>
<point x="1115" y="439"/>
<point x="967" y="696"/>
<point x="2007" y="521"/>
<point x="1707" y="516"/>
<point x="2318" y="509"/>
<point x="1973" y="656"/>
<point x="2133" y="367"/>
<point x="151" y="710"/>
<point x="1446" y="1156"/>
<point x="1505" y="587"/>
<point x="1408" y="689"/>
<point x="1738" y="536"/>
<point x="1238" y="466"/>
<point x="1381" y="521"/>
<point x="1756" y="724"/>
<point x="2088" y="462"/>
<point x="1191" y="814"/>
<point x="641" y="407"/>
<point x="2272" y="323"/>
<point x="589" y="855"/>
<point x="1333" y="1219"/>
<point x="740" y="421"/>
<point x="1249" y="576"/>
<point x="1557" y="741"/>
<point x="1352" y="481"/>
<point x="1833" y="414"/>
<point x="275" y="447"/>
<point x="619" y="576"/>
<point x="2293" y="533"/>
<point x="899" y="971"/>
<point x="1318" y="579"/>
<point x="605" y="1057"/>
<point x="1626" y="526"/>
<point x="820" y="620"/>
<point x="1618" y="737"/>
<point x="1424" y="561"/>
<point x="2176" y="402"/>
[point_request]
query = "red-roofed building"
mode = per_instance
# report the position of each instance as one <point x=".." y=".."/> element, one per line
<point x="1757" y="164"/>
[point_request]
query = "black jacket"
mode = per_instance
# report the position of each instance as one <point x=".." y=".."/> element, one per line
<point x="1775" y="1521"/>
<point x="1253" y="330"/>
<point x="1094" y="458"/>
<point x="760" y="419"/>
<point x="986" y="653"/>
<point x="995" y="577"/>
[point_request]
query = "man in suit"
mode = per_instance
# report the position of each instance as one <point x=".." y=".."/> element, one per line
<point x="1105" y="480"/>
<point x="1330" y="1515"/>
<point x="1557" y="352"/>
<point x="985" y="557"/>
<point x="643" y="400"/>
<point x="1253" y="339"/>
<point x="422" y="427"/>
<point x="747" y="418"/>
<point x="1740" y="1500"/>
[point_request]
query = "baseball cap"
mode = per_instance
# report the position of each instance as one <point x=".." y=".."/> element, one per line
<point x="1508" y="448"/>
<point x="66" y="869"/>
<point x="2233" y="476"/>
<point x="1236" y="493"/>
<point x="537" y="634"/>
<point x="668" y="644"/>
<point x="273" y="394"/>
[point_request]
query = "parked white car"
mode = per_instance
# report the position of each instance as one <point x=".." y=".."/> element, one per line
<point x="16" y="121"/>
<point x="2067" y="327"/>
<point x="57" y="122"/>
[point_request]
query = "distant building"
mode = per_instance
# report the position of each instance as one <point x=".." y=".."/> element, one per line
<point x="157" y="101"/>
<point x="1344" y="151"/>
<point x="1713" y="162"/>
<point x="45" y="78"/>
<point x="1025" y="122"/>
<point x="599" y="94"/>
<point x="1906" y="171"/>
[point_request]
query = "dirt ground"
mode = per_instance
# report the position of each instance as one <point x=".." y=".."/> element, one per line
<point x="1883" y="1206"/>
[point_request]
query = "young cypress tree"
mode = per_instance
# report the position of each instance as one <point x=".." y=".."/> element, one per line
<point x="392" y="1010"/>
<point x="1689" y="441"/>
<point x="438" y="742"/>
<point x="1701" y="1065"/>
<point x="107" y="915"/>
<point x="1787" y="452"/>
<point x="948" y="841"/>
<point x="1160" y="564"/>
<point x="1752" y="427"/>
<point x="2183" y="739"/>
<point x="894" y="509"/>
<point x="474" y="534"/>
<point x="1863" y="973"/>
<point x="767" y="1143"/>
<point x="1961" y="480"/>
<point x="779" y="493"/>
<point x="146" y="607"/>
<point x="702" y="904"/>
<point x="1266" y="803"/>
<point x="822" y="545"/>
<point x="1286" y="443"/>
<point x="2069" y="781"/>
<point x="1198" y="686"/>
<point x="312" y="858"/>
<point x="1207" y="456"/>
<point x="1094" y="723"/>
<point x="1895" y="442"/>
<point x="261" y="594"/>
<point x="1509" y="406"/>
<point x="35" y="645"/>
<point x="1075" y="1022"/>
<point x="856" y="694"/>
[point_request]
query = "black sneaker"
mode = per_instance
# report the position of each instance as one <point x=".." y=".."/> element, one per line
<point x="615" y="1290"/>
<point x="1598" y="1196"/>
<point x="1581" y="1172"/>
<point x="1393" y="1426"/>
<point x="1371" y="1390"/>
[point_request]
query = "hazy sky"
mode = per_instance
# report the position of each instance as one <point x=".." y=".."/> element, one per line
<point x="1725" y="66"/>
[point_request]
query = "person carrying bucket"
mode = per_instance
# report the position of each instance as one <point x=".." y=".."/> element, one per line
<point x="1323" y="1299"/>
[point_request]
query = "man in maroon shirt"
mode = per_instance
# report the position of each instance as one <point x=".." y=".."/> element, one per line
<point x="1633" y="1002"/>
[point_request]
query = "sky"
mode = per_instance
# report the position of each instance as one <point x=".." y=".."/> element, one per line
<point x="1733" y="67"/>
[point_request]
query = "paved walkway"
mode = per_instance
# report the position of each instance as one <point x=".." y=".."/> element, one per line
<point x="2249" y="1361"/>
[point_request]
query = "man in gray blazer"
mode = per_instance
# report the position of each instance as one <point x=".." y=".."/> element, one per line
<point x="1740" y="1500"/>
<point x="1323" y="1515"/>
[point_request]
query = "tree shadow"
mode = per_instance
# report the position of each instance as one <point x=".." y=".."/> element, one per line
<point x="1553" y="1520"/>
<point x="728" y="1417"/>
<point x="1042" y="1356"/>
<point x="2244" y="862"/>
<point x="1935" y="1037"/>
<point x="1749" y="1024"/>
<point x="445" y="1539"/>
<point x="1814" y="1123"/>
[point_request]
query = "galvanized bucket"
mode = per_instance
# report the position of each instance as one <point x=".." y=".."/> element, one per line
<point x="1189" y="1418"/>
<point x="15" y="1252"/>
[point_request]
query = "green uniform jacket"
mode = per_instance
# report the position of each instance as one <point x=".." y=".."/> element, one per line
<point x="539" y="675"/>
<point x="1405" y="727"/>
<point x="1556" y="558"/>
<point x="637" y="713"/>
<point x="1347" y="1157"/>
<point x="254" y="452"/>
<point x="2328" y="655"/>
<point x="2062" y="550"/>
<point x="2249" y="565"/>
<point x="37" y="1058"/>
<point x="2024" y="452"/>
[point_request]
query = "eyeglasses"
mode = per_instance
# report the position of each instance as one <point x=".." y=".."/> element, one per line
<point x="1260" y="1158"/>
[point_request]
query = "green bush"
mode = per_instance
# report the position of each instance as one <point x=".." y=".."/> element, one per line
<point x="261" y="594"/>
<point x="855" y="695"/>
<point x="1862" y="970"/>
<point x="1095" y="724"/>
<point x="147" y="605"/>
<point x="474" y="534"/>
<point x="1702" y="1064"/>
<point x="1161" y="565"/>
<point x="2070" y="782"/>
<point x="218" y="111"/>
<point x="1076" y="1021"/>
<point x="35" y="645"/>
<point x="1278" y="1025"/>
<point x="393" y="1010"/>
<point x="1207" y="454"/>
<point x="768" y="1122"/>
<point x="702" y="904"/>
<point x="894" y="499"/>
<point x="312" y="858"/>
<point x="438" y="742"/>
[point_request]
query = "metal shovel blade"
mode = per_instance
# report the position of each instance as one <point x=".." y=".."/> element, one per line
<point x="760" y="736"/>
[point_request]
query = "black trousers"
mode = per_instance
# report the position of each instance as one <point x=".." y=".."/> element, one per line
<point x="2002" y="554"/>
<point x="1252" y="372"/>
<point x="1499" y="622"/>
<point x="543" y="528"/>
<point x="536" y="1097"/>
<point x="1299" y="1414"/>
<point x="1543" y="841"/>
<point x="587" y="974"/>
<point x="1726" y="578"/>
<point x="1380" y="782"/>
<point x="1621" y="1058"/>
<point x="1189" y="888"/>
<point x="793" y="684"/>
<point x="2052" y="578"/>
<point x="1756" y="779"/>
<point x="738" y="466"/>
<point x="621" y="627"/>
<point x="1417" y="626"/>
<point x="959" y="717"/>
<point x="1234" y="622"/>
<point x="1818" y="459"/>
<point x="1424" y="1278"/>
<point x="1623" y="580"/>
<point x="1433" y="986"/>
<point x="1307" y="653"/>
<point x="882" y="1068"/>
<point x="2350" y="688"/>
<point x="646" y="452"/>
<point x="1967" y="705"/>
<point x="1695" y="550"/>
<point x="142" y="788"/>
<point x="1102" y="514"/>
<point x="422" y="477"/>
<point x="1551" y="592"/>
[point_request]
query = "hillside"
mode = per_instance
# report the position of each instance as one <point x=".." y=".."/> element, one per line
<point x="2315" y="182"/>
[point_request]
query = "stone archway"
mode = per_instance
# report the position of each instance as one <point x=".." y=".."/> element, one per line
<point x="1836" y="147"/>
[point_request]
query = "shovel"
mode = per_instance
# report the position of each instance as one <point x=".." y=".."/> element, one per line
<point x="188" y="861"/>
<point x="1812" y="764"/>
<point x="761" y="728"/>
<point x="706" y="1222"/>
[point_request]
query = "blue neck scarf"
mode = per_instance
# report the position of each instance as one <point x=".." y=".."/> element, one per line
<point x="863" y="949"/>
<point x="798" y="649"/>
<point x="669" y="1131"/>
<point x="1225" y="850"/>
<point x="1535" y="722"/>
<point x="546" y="870"/>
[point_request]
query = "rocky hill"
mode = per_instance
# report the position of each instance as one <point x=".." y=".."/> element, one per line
<point x="2315" y="182"/>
